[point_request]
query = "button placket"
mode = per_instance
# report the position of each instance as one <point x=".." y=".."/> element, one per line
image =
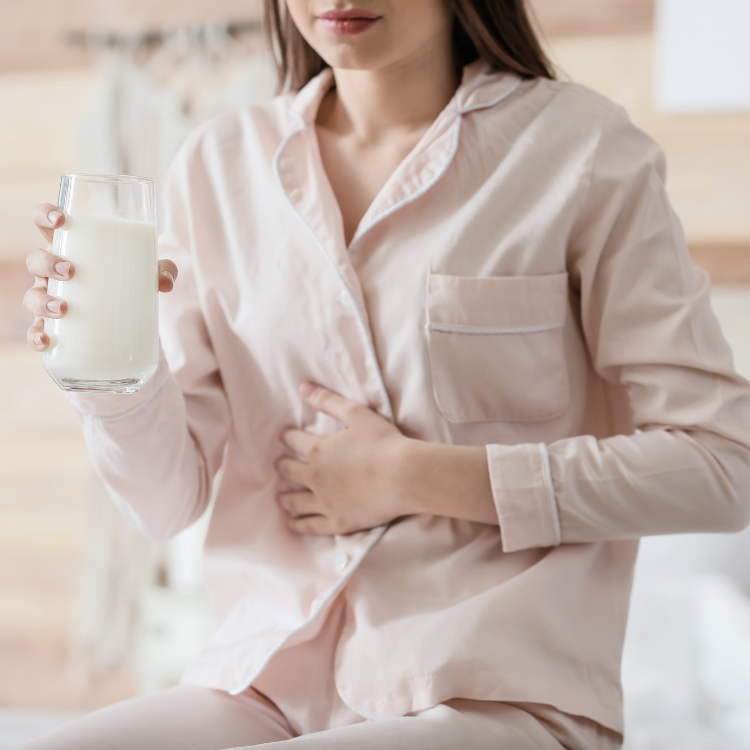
<point x="294" y="183"/>
<point x="346" y="300"/>
<point x="341" y="562"/>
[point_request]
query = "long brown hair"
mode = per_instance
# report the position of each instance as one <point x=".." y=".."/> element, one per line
<point x="499" y="32"/>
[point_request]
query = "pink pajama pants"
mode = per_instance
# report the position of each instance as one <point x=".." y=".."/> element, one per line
<point x="295" y="705"/>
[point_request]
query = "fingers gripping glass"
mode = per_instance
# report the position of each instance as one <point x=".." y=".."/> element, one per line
<point x="108" y="340"/>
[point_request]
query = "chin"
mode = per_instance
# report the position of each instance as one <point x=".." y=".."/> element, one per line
<point x="347" y="55"/>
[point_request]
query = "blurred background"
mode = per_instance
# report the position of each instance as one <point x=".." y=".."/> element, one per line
<point x="90" y="612"/>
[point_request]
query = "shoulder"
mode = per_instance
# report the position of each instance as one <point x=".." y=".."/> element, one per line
<point x="576" y="98"/>
<point x="572" y="116"/>
<point x="552" y="115"/>
<point x="253" y="131"/>
<point x="577" y="106"/>
<point x="569" y="113"/>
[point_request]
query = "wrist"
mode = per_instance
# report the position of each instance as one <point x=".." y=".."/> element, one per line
<point x="411" y="476"/>
<point x="445" y="480"/>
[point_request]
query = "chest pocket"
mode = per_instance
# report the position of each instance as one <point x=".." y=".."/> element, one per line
<point x="496" y="347"/>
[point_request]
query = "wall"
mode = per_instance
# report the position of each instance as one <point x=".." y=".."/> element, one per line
<point x="45" y="473"/>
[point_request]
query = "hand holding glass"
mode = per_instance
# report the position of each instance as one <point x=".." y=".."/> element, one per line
<point x="108" y="339"/>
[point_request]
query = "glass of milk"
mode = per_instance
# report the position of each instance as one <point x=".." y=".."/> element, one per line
<point x="108" y="341"/>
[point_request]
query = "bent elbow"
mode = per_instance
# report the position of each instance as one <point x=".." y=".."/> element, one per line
<point x="719" y="485"/>
<point x="161" y="527"/>
<point x="172" y="526"/>
<point x="735" y="469"/>
<point x="737" y="514"/>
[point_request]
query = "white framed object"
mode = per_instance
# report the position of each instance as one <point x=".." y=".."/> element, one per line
<point x="703" y="56"/>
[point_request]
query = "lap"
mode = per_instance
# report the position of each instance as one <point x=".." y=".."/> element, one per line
<point x="184" y="718"/>
<point x="194" y="718"/>
<point x="454" y="725"/>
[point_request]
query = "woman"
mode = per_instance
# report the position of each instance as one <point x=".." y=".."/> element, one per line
<point x="437" y="324"/>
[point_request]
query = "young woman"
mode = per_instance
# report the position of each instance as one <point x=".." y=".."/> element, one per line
<point x="437" y="325"/>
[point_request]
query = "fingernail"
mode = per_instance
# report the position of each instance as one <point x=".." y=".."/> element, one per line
<point x="306" y="390"/>
<point x="169" y="275"/>
<point x="38" y="340"/>
<point x="54" y="305"/>
<point x="62" y="267"/>
<point x="53" y="216"/>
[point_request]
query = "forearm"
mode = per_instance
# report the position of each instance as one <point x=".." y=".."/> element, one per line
<point x="447" y="480"/>
<point x="143" y="450"/>
<point x="581" y="489"/>
<point x="655" y="482"/>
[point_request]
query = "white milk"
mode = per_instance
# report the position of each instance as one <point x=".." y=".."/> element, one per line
<point x="110" y="332"/>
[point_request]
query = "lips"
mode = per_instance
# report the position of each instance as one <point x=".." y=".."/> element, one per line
<point x="349" y="21"/>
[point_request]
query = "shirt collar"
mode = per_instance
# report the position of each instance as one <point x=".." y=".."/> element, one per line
<point x="306" y="103"/>
<point x="480" y="88"/>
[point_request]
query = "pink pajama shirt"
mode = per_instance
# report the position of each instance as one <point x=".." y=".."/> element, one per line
<point x="521" y="283"/>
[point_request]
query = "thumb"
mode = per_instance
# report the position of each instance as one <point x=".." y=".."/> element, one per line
<point x="330" y="403"/>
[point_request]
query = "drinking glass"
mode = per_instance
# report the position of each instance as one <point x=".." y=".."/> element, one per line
<point x="108" y="340"/>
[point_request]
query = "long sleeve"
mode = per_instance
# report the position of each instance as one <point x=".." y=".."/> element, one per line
<point x="159" y="450"/>
<point x="649" y="328"/>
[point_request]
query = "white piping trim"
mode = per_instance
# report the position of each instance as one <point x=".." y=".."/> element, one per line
<point x="342" y="582"/>
<point x="444" y="169"/>
<point x="124" y="414"/>
<point x="360" y="317"/>
<point x="409" y="199"/>
<point x="547" y="474"/>
<point x="331" y="595"/>
<point x="298" y="116"/>
<point x="504" y="95"/>
<point x="375" y="222"/>
<point x="448" y="328"/>
<point x="292" y="108"/>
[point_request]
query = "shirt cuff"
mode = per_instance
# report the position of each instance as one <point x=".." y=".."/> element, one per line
<point x="120" y="405"/>
<point x="524" y="496"/>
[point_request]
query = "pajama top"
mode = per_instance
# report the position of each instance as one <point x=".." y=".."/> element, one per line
<point x="521" y="283"/>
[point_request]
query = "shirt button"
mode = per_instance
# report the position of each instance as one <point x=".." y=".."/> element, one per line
<point x="341" y="561"/>
<point x="346" y="299"/>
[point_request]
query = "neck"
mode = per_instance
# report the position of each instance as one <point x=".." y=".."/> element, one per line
<point x="406" y="96"/>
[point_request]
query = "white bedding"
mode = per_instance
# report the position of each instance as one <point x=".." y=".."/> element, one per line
<point x="686" y="667"/>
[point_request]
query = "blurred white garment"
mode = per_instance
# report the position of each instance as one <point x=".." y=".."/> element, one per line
<point x="139" y="115"/>
<point x="120" y="562"/>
